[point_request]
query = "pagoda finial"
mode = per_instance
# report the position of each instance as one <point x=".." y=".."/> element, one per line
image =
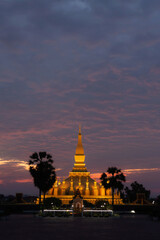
<point x="79" y="165"/>
<point x="79" y="128"/>
<point x="79" y="148"/>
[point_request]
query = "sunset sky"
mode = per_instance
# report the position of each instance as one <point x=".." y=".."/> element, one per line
<point x="93" y="62"/>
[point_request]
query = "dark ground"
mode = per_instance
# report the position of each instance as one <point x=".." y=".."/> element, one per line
<point x="125" y="227"/>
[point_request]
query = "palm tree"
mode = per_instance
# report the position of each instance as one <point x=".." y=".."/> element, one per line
<point x="113" y="180"/>
<point x="42" y="171"/>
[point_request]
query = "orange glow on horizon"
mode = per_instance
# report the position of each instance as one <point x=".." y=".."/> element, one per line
<point x="129" y="172"/>
<point x="24" y="180"/>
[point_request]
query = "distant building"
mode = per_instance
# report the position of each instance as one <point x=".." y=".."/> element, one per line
<point x="79" y="178"/>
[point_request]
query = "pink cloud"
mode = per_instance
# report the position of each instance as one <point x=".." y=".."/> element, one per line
<point x="24" y="180"/>
<point x="155" y="70"/>
<point x="94" y="76"/>
<point x="1" y="181"/>
<point x="96" y="175"/>
<point x="115" y="70"/>
<point x="40" y="88"/>
<point x="34" y="131"/>
<point x="152" y="42"/>
<point x="140" y="170"/>
<point x="129" y="172"/>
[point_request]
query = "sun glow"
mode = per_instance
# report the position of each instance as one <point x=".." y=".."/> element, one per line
<point x="15" y="163"/>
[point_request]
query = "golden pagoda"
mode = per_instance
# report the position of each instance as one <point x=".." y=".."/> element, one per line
<point x="79" y="178"/>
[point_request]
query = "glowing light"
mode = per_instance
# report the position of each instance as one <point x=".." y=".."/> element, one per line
<point x="79" y="164"/>
<point x="57" y="210"/>
<point x="133" y="211"/>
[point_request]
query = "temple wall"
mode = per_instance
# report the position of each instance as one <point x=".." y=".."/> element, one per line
<point x="92" y="199"/>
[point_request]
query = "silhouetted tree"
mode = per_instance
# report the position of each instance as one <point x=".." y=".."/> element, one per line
<point x="131" y="194"/>
<point x="87" y="204"/>
<point x="1" y="198"/>
<point x="42" y="171"/>
<point x="158" y="199"/>
<point x="113" y="180"/>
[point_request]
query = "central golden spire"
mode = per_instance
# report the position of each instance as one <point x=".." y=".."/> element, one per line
<point x="79" y="148"/>
<point x="79" y="165"/>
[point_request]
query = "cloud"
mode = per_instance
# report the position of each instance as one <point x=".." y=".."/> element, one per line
<point x="70" y="62"/>
<point x="15" y="163"/>
<point x="135" y="171"/>
<point x="129" y="172"/>
<point x="23" y="180"/>
<point x="1" y="181"/>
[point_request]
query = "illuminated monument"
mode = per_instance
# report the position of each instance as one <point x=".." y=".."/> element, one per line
<point x="79" y="178"/>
